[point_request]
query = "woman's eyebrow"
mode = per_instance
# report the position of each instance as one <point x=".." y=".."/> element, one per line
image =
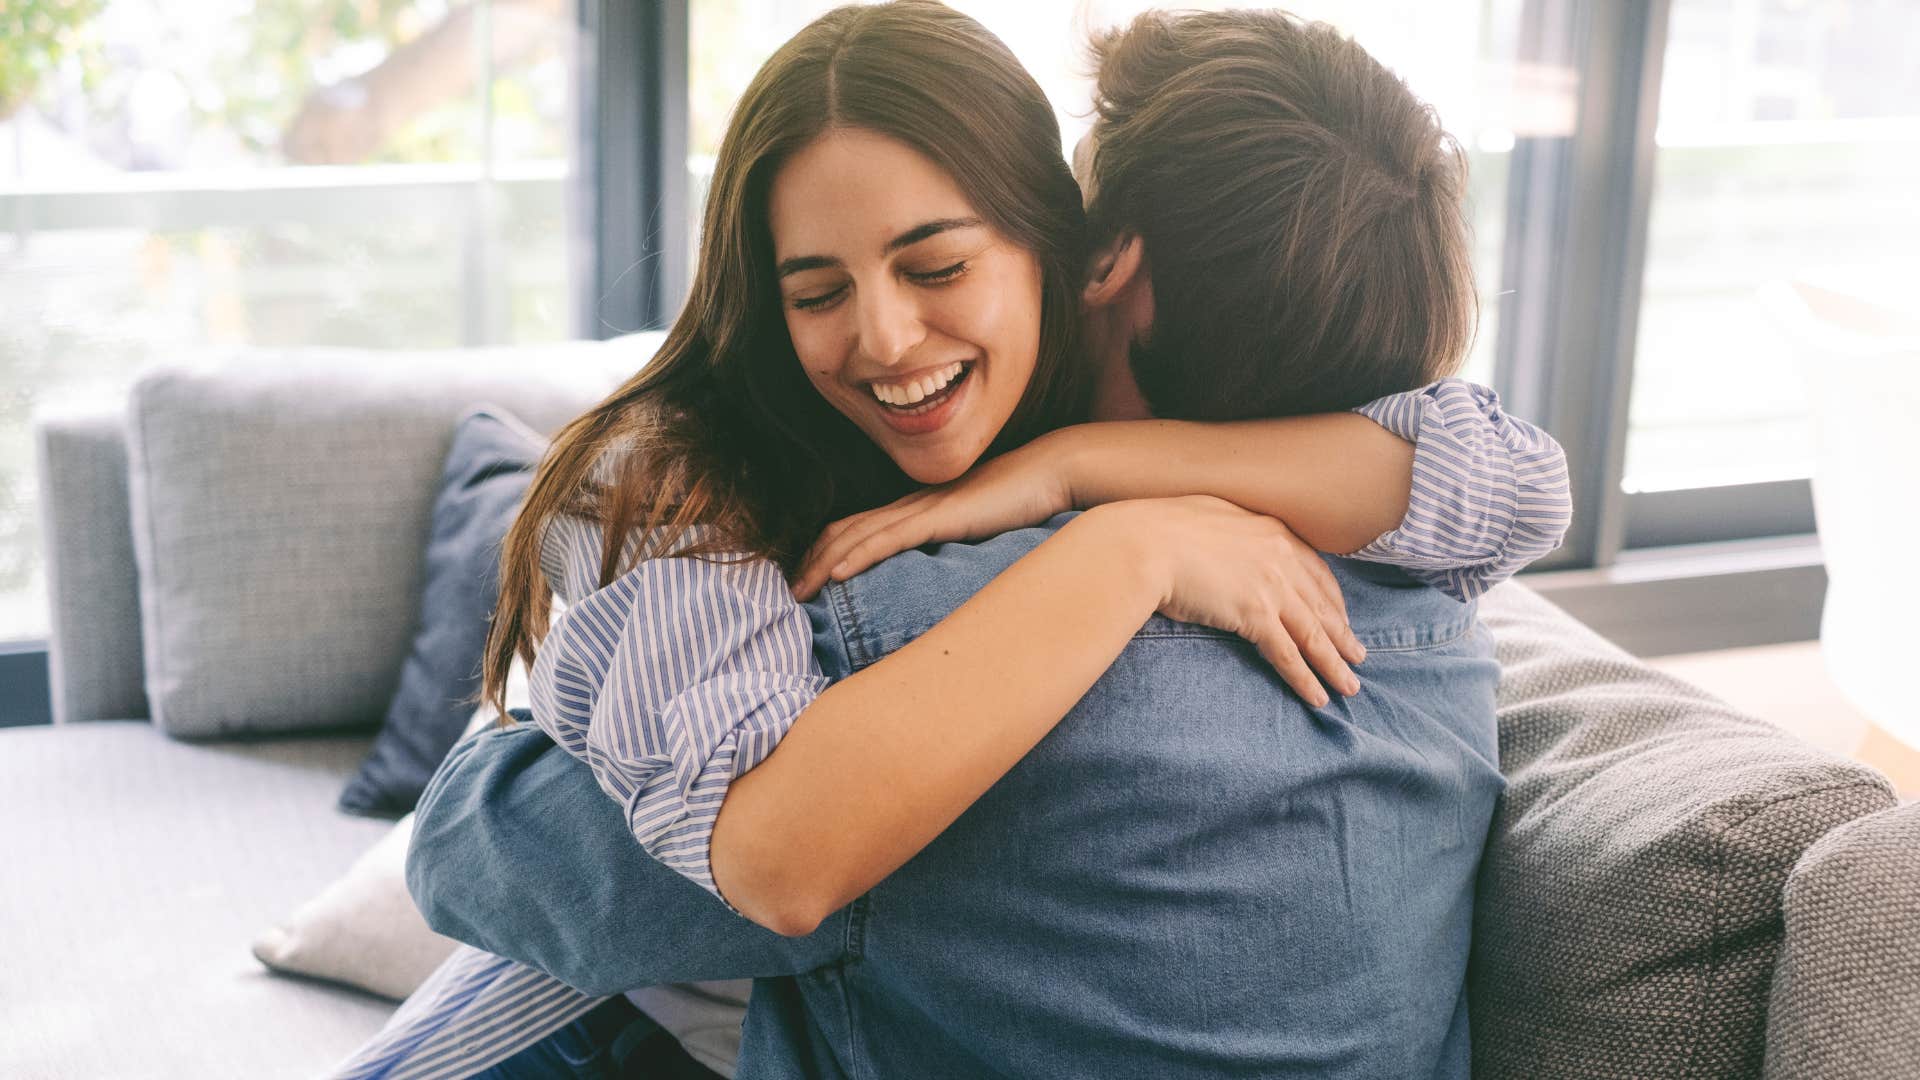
<point x="921" y="232"/>
<point x="801" y="263"/>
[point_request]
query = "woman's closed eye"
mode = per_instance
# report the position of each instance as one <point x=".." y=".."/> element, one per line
<point x="815" y="303"/>
<point x="821" y="301"/>
<point x="940" y="276"/>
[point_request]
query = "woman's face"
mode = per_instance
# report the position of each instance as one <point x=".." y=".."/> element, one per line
<point x="911" y="315"/>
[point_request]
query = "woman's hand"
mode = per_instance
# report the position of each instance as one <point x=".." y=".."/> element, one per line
<point x="1248" y="574"/>
<point x="1019" y="488"/>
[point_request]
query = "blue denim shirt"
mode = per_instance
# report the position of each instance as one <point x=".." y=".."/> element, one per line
<point x="1194" y="874"/>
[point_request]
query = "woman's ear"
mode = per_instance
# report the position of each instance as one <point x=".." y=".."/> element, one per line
<point x="1119" y="265"/>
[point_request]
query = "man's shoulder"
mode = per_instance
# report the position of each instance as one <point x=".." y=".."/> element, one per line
<point x="902" y="597"/>
<point x="857" y="621"/>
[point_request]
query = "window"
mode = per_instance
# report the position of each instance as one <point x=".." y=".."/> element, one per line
<point x="1788" y="147"/>
<point x="271" y="173"/>
<point x="275" y="172"/>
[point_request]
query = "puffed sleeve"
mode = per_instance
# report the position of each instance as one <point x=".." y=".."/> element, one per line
<point x="1490" y="492"/>
<point x="677" y="677"/>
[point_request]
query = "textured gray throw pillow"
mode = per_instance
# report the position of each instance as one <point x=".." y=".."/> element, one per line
<point x="488" y="470"/>
<point x="1628" y="916"/>
<point x="280" y="508"/>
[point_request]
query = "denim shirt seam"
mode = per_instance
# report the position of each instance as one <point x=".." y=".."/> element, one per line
<point x="854" y="948"/>
<point x="1420" y="638"/>
<point x="1399" y="639"/>
<point x="847" y="621"/>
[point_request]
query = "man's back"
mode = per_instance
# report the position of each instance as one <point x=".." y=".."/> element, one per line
<point x="1194" y="874"/>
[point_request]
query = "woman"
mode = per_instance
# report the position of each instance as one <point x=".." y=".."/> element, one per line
<point x="892" y="181"/>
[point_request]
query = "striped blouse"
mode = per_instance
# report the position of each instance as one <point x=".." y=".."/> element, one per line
<point x="681" y="675"/>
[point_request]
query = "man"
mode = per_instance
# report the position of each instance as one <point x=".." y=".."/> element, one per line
<point x="1194" y="874"/>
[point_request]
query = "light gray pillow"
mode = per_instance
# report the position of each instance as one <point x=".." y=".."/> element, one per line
<point x="280" y="507"/>
<point x="1628" y="916"/>
<point x="364" y="929"/>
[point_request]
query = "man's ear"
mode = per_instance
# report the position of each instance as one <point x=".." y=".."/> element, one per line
<point x="1114" y="268"/>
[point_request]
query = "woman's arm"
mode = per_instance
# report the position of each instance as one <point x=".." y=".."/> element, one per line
<point x="516" y="850"/>
<point x="1490" y="492"/>
<point x="1439" y="481"/>
<point x="1338" y="480"/>
<point x="681" y="675"/>
<point x="883" y="761"/>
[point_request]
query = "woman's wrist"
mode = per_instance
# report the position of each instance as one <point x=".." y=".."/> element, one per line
<point x="1078" y="452"/>
<point x="1056" y="456"/>
<point x="1126" y="535"/>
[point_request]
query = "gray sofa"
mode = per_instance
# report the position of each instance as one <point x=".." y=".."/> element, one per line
<point x="1671" y="889"/>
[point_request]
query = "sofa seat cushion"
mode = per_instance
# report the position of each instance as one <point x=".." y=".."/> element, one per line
<point x="138" y="871"/>
<point x="1628" y="916"/>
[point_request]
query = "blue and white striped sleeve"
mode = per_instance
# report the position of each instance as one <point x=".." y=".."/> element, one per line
<point x="474" y="1011"/>
<point x="1490" y="492"/>
<point x="677" y="677"/>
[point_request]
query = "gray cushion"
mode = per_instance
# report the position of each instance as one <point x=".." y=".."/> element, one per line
<point x="1846" y="995"/>
<point x="1629" y="908"/>
<point x="280" y="512"/>
<point x="138" y="871"/>
<point x="484" y="481"/>
<point x="93" y="652"/>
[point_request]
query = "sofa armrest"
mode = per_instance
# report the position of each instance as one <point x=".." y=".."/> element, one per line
<point x="93" y="589"/>
<point x="1629" y="914"/>
<point x="1848" y="981"/>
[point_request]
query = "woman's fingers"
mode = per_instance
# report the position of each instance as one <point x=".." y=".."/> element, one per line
<point x="1316" y="646"/>
<point x="809" y="583"/>
<point x="1279" y="650"/>
<point x="884" y="542"/>
<point x="832" y="532"/>
<point x="1331" y="607"/>
<point x="866" y="539"/>
<point x="813" y="566"/>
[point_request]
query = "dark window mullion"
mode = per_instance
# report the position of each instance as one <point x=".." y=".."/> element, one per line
<point x="1575" y="250"/>
<point x="630" y="153"/>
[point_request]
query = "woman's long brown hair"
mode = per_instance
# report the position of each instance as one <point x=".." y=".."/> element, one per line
<point x="722" y="429"/>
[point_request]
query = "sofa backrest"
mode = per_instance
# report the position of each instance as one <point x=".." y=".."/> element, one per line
<point x="1628" y="917"/>
<point x="93" y="588"/>
<point x="238" y="546"/>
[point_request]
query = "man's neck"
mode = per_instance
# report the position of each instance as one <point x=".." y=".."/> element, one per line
<point x="1109" y="336"/>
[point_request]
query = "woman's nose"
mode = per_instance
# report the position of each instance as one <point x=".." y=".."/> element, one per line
<point x="890" y="325"/>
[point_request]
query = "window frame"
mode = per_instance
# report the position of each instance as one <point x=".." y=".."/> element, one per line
<point x="1572" y="266"/>
<point x="630" y="141"/>
<point x="1578" y="212"/>
<point x="630" y="120"/>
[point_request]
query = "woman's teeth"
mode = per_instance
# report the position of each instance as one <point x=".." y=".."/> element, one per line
<point x="913" y="391"/>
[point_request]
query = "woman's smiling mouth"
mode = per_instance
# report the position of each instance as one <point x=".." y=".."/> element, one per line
<point x="911" y="393"/>
<point x="919" y="405"/>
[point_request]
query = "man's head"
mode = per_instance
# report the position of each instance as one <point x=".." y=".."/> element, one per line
<point x="1293" y="213"/>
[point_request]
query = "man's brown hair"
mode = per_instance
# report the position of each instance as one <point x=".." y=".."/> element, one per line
<point x="1300" y="211"/>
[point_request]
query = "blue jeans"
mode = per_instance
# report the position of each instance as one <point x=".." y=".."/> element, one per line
<point x="612" y="1041"/>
